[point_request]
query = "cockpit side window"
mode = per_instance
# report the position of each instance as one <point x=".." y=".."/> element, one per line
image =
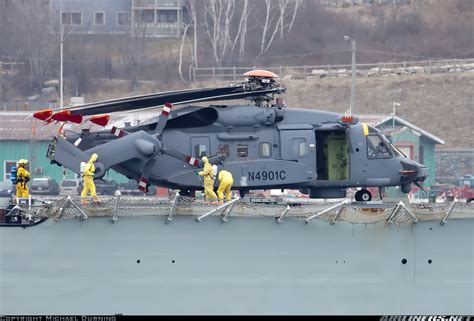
<point x="376" y="147"/>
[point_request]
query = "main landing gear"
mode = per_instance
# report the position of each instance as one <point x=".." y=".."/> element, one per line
<point x="363" y="196"/>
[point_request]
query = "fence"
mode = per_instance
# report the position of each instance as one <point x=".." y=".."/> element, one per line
<point x="321" y="71"/>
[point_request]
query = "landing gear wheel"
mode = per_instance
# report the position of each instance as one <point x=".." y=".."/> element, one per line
<point x="185" y="192"/>
<point x="363" y="196"/>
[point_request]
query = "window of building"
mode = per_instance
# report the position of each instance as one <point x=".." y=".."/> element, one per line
<point x="167" y="16"/>
<point x="123" y="18"/>
<point x="242" y="150"/>
<point x="421" y="155"/>
<point x="200" y="150"/>
<point x="299" y="147"/>
<point x="223" y="150"/>
<point x="376" y="148"/>
<point x="145" y="16"/>
<point x="99" y="18"/>
<point x="265" y="150"/>
<point x="71" y="18"/>
<point x="8" y="164"/>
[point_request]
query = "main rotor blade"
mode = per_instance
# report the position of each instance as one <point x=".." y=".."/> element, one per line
<point x="175" y="98"/>
<point x="163" y="119"/>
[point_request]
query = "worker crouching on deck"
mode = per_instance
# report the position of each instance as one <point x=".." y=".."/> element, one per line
<point x="89" y="186"/>
<point x="208" y="180"/>
<point x="22" y="178"/>
<point x="225" y="184"/>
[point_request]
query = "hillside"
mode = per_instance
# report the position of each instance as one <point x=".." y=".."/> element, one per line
<point x="441" y="104"/>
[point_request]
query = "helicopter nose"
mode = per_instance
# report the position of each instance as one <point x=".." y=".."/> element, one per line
<point x="412" y="172"/>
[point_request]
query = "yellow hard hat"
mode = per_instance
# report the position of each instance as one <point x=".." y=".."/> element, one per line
<point x="22" y="161"/>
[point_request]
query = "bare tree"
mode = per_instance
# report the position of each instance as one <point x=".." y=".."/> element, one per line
<point x="23" y="37"/>
<point x="278" y="13"/>
<point x="194" y="21"/>
<point x="226" y="26"/>
<point x="133" y="50"/>
<point x="180" y="57"/>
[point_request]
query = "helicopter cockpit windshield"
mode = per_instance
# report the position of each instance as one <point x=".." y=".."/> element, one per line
<point x="378" y="146"/>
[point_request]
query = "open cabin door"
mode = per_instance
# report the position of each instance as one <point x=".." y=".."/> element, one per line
<point x="333" y="157"/>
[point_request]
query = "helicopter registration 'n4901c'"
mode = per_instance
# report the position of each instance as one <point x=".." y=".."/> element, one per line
<point x="264" y="144"/>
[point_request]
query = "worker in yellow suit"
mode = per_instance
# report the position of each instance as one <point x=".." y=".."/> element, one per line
<point x="89" y="185"/>
<point x="208" y="180"/>
<point x="22" y="177"/>
<point x="225" y="184"/>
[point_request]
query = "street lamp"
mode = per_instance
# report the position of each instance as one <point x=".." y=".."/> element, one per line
<point x="395" y="104"/>
<point x="353" y="50"/>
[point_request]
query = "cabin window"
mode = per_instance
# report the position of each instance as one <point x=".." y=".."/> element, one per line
<point x="242" y="150"/>
<point x="299" y="147"/>
<point x="200" y="150"/>
<point x="223" y="150"/>
<point x="265" y="150"/>
<point x="376" y="148"/>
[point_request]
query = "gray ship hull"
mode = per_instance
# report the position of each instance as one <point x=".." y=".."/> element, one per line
<point x="140" y="265"/>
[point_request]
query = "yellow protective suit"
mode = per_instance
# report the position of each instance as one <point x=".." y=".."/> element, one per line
<point x="21" y="176"/>
<point x="88" y="176"/>
<point x="225" y="183"/>
<point x="208" y="180"/>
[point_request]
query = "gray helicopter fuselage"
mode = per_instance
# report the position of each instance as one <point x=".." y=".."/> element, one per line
<point x="274" y="147"/>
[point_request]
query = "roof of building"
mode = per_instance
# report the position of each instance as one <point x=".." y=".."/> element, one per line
<point x="393" y="130"/>
<point x="377" y="120"/>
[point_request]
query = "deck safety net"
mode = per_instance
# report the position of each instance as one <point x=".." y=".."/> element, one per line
<point x="401" y="214"/>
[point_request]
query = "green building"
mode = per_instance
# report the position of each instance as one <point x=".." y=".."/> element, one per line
<point x="414" y="142"/>
<point x="22" y="136"/>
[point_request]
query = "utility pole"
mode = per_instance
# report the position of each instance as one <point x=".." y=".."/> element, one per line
<point x="353" y="50"/>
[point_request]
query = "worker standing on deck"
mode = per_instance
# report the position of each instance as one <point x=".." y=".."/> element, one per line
<point x="88" y="176"/>
<point x="208" y="180"/>
<point x="22" y="178"/>
<point x="225" y="184"/>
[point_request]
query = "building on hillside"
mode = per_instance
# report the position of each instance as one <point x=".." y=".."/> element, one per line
<point x="151" y="18"/>
<point x="416" y="143"/>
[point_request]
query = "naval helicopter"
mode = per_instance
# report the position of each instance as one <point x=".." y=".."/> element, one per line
<point x="262" y="142"/>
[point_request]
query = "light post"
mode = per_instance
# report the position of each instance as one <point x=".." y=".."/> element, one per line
<point x="395" y="104"/>
<point x="353" y="50"/>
